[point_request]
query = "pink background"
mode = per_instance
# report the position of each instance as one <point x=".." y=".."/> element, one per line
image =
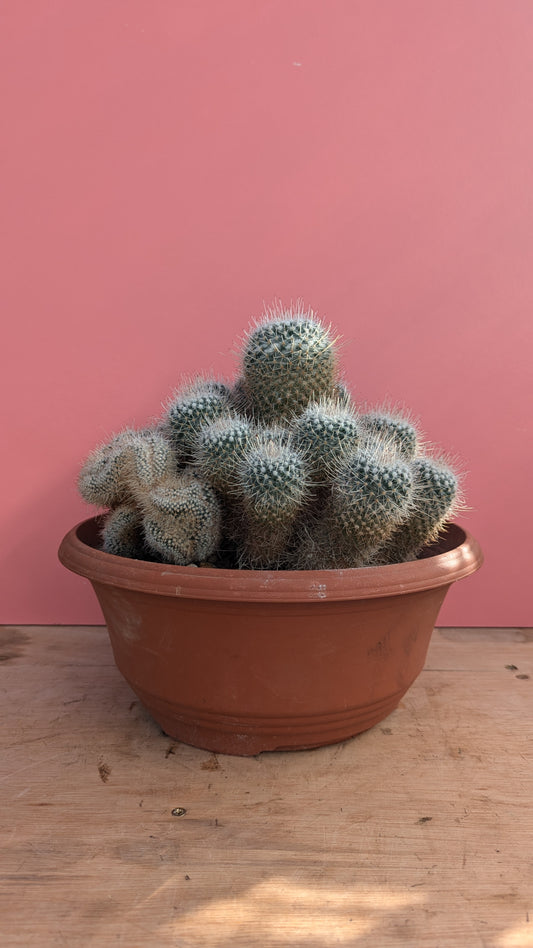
<point x="168" y="167"/>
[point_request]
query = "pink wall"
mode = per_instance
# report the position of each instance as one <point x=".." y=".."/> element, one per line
<point x="168" y="166"/>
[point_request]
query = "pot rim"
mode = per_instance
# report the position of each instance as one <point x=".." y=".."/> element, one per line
<point x="455" y="555"/>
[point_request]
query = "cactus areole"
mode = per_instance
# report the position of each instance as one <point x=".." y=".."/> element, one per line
<point x="271" y="558"/>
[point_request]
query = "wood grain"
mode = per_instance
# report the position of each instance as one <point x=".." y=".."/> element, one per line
<point x="418" y="832"/>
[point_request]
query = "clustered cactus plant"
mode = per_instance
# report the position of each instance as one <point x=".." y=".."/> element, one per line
<point x="278" y="470"/>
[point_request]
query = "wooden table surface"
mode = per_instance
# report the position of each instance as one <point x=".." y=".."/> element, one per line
<point x="418" y="832"/>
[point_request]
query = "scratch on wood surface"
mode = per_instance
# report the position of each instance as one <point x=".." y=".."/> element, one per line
<point x="35" y="763"/>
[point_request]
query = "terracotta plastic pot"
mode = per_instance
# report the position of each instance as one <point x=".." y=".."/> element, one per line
<point x="243" y="661"/>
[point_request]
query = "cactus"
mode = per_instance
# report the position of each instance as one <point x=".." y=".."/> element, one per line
<point x="277" y="470"/>
<point x="368" y="499"/>
<point x="219" y="450"/>
<point x="151" y="461"/>
<point x="325" y="431"/>
<point x="182" y="520"/>
<point x="102" y="479"/>
<point x="396" y="429"/>
<point x="272" y="484"/>
<point x="288" y="360"/>
<point x="122" y="532"/>
<point x="201" y="403"/>
<point x="435" y="499"/>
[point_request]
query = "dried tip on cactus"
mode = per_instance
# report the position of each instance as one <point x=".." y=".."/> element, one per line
<point x="103" y="478"/>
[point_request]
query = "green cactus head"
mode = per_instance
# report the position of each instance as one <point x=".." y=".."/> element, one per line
<point x="272" y="486"/>
<point x="325" y="432"/>
<point x="188" y="410"/>
<point x="436" y="496"/>
<point x="288" y="359"/>
<point x="220" y="449"/>
<point x="272" y="478"/>
<point x="369" y="499"/>
<point x="394" y="429"/>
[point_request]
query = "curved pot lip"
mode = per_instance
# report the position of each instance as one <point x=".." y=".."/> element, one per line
<point x="454" y="556"/>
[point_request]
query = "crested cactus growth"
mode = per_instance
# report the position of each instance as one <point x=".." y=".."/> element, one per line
<point x="122" y="533"/>
<point x="435" y="497"/>
<point x="102" y="479"/>
<point x="151" y="461"/>
<point x="288" y="360"/>
<point x="277" y="470"/>
<point x="182" y="520"/>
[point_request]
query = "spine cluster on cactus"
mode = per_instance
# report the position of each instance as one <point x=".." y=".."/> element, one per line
<point x="278" y="469"/>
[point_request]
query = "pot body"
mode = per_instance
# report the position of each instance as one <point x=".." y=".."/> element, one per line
<point x="239" y="662"/>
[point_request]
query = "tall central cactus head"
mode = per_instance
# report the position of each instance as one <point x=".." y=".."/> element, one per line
<point x="288" y="360"/>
